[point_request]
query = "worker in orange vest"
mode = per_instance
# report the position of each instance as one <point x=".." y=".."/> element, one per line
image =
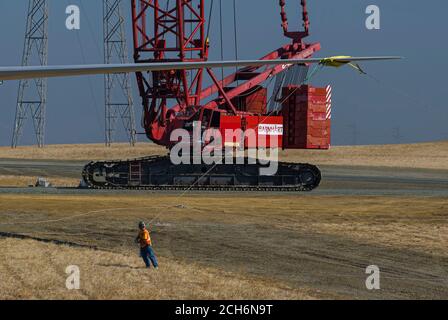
<point x="146" y="251"/>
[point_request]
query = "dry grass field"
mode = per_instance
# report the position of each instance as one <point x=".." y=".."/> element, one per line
<point x="433" y="155"/>
<point x="224" y="246"/>
<point x="108" y="275"/>
<point x="84" y="152"/>
<point x="24" y="181"/>
<point x="422" y="155"/>
<point x="299" y="246"/>
<point x="419" y="224"/>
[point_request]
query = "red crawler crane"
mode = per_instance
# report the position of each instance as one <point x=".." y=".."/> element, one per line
<point x="176" y="31"/>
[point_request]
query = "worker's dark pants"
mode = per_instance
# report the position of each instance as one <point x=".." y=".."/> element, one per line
<point x="149" y="256"/>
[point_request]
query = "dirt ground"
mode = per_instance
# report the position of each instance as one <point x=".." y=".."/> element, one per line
<point x="305" y="246"/>
<point x="231" y="245"/>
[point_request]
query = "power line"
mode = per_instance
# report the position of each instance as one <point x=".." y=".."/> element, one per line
<point x="84" y="61"/>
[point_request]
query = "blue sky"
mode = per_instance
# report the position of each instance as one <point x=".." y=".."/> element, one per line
<point x="408" y="104"/>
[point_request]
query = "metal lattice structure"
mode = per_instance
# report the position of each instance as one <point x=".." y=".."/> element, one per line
<point x="118" y="97"/>
<point x="176" y="31"/>
<point x="168" y="31"/>
<point x="32" y="95"/>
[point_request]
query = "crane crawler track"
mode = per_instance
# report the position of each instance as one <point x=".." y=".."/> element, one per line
<point x="159" y="174"/>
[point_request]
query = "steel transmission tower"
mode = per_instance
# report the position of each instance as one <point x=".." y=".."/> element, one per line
<point x="32" y="95"/>
<point x="118" y="97"/>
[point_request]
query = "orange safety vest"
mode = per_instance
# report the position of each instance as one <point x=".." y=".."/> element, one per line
<point x="145" y="238"/>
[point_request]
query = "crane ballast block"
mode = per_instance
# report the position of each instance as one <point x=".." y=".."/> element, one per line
<point x="307" y="117"/>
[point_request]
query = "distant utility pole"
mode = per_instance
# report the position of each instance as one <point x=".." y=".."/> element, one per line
<point x="32" y="95"/>
<point x="118" y="97"/>
<point x="396" y="134"/>
<point x="355" y="133"/>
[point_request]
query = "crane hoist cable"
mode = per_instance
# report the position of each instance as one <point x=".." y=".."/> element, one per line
<point x="166" y="10"/>
<point x="235" y="31"/>
<point x="210" y="14"/>
<point x="221" y="37"/>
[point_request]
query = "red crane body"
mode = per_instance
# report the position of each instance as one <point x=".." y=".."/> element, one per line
<point x="176" y="31"/>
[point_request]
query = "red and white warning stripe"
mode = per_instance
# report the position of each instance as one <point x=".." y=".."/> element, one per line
<point x="328" y="103"/>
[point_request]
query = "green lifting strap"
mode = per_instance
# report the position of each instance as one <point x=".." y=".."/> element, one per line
<point x="336" y="63"/>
